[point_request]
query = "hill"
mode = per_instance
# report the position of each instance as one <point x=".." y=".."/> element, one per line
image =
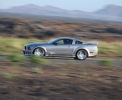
<point x="110" y="12"/>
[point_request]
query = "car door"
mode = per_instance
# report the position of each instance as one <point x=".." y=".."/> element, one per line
<point x="62" y="47"/>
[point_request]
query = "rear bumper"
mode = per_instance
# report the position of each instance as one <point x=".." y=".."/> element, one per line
<point x="27" y="52"/>
<point x="93" y="53"/>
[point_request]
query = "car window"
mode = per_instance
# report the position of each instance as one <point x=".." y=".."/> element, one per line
<point x="60" y="42"/>
<point x="68" y="41"/>
<point x="78" y="42"/>
<point x="64" y="41"/>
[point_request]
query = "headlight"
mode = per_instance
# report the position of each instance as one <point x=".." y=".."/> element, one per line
<point x="29" y="48"/>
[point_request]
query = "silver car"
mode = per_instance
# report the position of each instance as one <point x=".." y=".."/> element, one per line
<point x="63" y="46"/>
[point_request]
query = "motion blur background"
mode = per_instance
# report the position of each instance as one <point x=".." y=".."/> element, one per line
<point x="34" y="78"/>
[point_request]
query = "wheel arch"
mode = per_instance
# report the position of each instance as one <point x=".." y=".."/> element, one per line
<point x="41" y="48"/>
<point x="87" y="51"/>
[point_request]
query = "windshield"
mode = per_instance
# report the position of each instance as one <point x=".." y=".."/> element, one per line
<point x="52" y="41"/>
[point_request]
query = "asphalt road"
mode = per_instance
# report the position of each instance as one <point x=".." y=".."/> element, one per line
<point x="87" y="61"/>
<point x="67" y="60"/>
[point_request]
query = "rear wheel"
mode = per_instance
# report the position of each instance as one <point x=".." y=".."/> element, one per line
<point x="39" y="52"/>
<point x="75" y="58"/>
<point x="81" y="54"/>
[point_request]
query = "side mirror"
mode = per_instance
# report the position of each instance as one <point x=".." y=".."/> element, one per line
<point x="55" y="43"/>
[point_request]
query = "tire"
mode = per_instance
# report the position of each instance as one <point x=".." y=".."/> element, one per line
<point x="81" y="54"/>
<point x="39" y="52"/>
<point x="75" y="58"/>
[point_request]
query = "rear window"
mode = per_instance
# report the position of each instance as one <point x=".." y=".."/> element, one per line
<point x="78" y="42"/>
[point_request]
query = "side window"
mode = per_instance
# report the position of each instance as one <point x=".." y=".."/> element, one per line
<point x="60" y="42"/>
<point x="64" y="41"/>
<point x="68" y="41"/>
<point x="78" y="42"/>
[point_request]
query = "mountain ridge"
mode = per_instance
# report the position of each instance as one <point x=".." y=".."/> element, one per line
<point x="110" y="12"/>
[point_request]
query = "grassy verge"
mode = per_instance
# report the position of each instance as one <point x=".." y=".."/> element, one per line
<point x="14" y="45"/>
<point x="9" y="75"/>
<point x="106" y="63"/>
<point x="15" y="58"/>
<point x="110" y="49"/>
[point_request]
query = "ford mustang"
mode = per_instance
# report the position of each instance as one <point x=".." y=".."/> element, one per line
<point x="63" y="46"/>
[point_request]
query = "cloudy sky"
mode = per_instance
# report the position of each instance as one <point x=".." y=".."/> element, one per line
<point x="85" y="5"/>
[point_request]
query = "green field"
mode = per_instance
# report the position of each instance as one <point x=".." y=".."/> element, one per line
<point x="15" y="45"/>
<point x="110" y="49"/>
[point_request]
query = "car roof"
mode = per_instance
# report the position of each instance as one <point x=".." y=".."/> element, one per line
<point x="67" y="38"/>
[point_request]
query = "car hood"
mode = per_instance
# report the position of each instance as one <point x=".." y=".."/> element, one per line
<point x="36" y="43"/>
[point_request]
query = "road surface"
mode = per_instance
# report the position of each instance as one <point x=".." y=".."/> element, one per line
<point x="73" y="61"/>
<point x="87" y="61"/>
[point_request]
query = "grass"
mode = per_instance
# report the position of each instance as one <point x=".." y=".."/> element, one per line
<point x="15" y="64"/>
<point x="63" y="73"/>
<point x="106" y="63"/>
<point x="38" y="60"/>
<point x="16" y="58"/>
<point x="44" y="98"/>
<point x="85" y="73"/>
<point x="12" y="45"/>
<point x="9" y="75"/>
<point x="36" y="69"/>
<point x="110" y="49"/>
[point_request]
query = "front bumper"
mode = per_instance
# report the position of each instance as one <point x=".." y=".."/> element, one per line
<point x="27" y="52"/>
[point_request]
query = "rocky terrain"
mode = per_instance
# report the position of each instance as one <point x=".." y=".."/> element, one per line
<point x="59" y="82"/>
<point x="24" y="28"/>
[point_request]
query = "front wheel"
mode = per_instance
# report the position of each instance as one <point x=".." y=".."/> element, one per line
<point x="39" y="52"/>
<point x="81" y="54"/>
